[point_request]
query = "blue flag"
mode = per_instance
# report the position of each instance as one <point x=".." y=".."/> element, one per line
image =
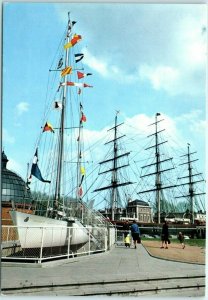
<point x="35" y="171"/>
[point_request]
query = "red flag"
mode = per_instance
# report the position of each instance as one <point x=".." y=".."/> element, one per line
<point x="48" y="127"/>
<point x="80" y="191"/>
<point x="76" y="38"/>
<point x="82" y="75"/>
<point x="83" y="118"/>
<point x="87" y="85"/>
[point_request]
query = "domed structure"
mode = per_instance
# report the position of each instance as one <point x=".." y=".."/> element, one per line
<point x="13" y="186"/>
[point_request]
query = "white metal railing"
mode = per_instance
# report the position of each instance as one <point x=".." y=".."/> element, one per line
<point x="43" y="243"/>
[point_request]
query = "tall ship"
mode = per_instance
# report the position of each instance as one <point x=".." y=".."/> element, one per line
<point x="155" y="181"/>
<point x="171" y="183"/>
<point x="57" y="170"/>
<point x="114" y="180"/>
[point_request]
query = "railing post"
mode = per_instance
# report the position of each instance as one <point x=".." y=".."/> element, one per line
<point x="108" y="241"/>
<point x="89" y="241"/>
<point x="106" y="238"/>
<point x="8" y="229"/>
<point x="41" y="248"/>
<point x="69" y="237"/>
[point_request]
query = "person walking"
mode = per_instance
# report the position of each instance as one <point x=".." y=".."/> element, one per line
<point x="135" y="232"/>
<point x="165" y="235"/>
<point x="127" y="241"/>
<point x="181" y="239"/>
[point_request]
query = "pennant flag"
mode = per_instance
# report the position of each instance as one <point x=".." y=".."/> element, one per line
<point x="83" y="118"/>
<point x="76" y="38"/>
<point x="58" y="105"/>
<point x="87" y="85"/>
<point x="74" y="84"/>
<point x="35" y="171"/>
<point x="82" y="170"/>
<point x="67" y="70"/>
<point x="80" y="191"/>
<point x="48" y="127"/>
<point x="82" y="75"/>
<point x="78" y="57"/>
<point x="70" y="25"/>
<point x="60" y="63"/>
<point x="78" y="84"/>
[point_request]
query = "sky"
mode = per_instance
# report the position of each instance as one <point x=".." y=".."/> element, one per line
<point x="145" y="58"/>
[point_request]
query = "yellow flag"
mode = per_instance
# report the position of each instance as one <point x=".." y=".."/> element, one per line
<point x="67" y="70"/>
<point x="82" y="170"/>
<point x="76" y="38"/>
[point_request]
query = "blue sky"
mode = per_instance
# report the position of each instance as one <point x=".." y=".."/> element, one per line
<point x="144" y="59"/>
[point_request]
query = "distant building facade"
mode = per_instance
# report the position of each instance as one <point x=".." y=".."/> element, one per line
<point x="140" y="211"/>
<point x="135" y="210"/>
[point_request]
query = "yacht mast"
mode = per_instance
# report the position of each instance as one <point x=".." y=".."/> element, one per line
<point x="62" y="124"/>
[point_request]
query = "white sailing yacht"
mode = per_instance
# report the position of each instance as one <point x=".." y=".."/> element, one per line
<point x="56" y="218"/>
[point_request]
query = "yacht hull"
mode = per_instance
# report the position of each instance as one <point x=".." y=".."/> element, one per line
<point x="37" y="231"/>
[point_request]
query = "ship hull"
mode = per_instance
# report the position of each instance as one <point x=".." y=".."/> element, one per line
<point x="37" y="231"/>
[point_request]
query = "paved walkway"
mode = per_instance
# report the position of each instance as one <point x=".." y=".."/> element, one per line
<point x="117" y="264"/>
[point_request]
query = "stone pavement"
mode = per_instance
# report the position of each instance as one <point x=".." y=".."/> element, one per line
<point x="117" y="264"/>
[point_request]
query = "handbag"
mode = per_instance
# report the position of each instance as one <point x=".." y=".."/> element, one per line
<point x="168" y="241"/>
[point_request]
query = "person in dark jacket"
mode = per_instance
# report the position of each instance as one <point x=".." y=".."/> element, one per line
<point x="165" y="235"/>
<point x="135" y="232"/>
<point x="126" y="228"/>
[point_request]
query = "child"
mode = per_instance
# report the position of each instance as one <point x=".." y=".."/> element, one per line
<point x="127" y="240"/>
<point x="181" y="239"/>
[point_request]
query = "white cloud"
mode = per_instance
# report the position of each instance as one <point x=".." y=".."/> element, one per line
<point x="96" y="63"/>
<point x="7" y="138"/>
<point x="193" y="122"/>
<point x="191" y="41"/>
<point x="161" y="77"/>
<point x="22" y="107"/>
<point x="171" y="55"/>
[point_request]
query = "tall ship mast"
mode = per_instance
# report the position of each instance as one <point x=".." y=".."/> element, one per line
<point x="157" y="169"/>
<point x="116" y="165"/>
<point x="160" y="183"/>
<point x="192" y="179"/>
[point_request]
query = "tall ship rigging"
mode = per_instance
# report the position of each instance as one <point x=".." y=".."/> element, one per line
<point x="58" y="168"/>
<point x="162" y="184"/>
<point x="111" y="168"/>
